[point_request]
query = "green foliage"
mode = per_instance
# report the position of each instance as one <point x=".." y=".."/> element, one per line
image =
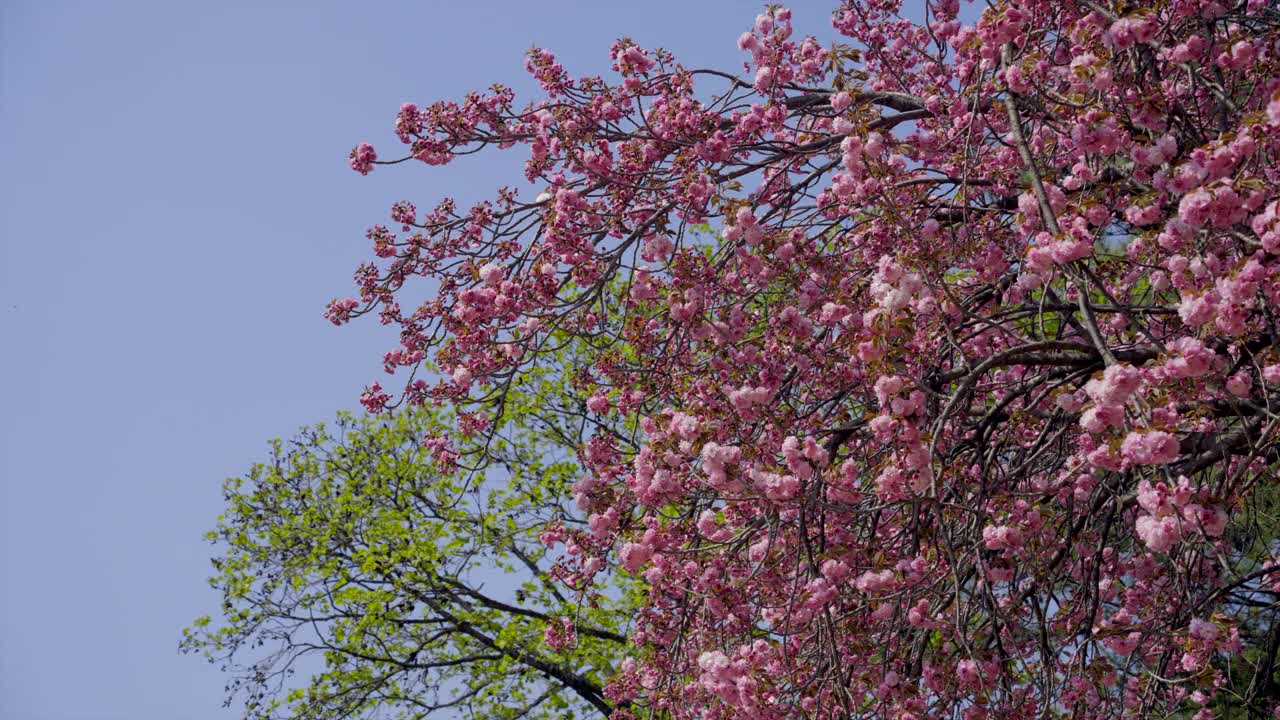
<point x="362" y="578"/>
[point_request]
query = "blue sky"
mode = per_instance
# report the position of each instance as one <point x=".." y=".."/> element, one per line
<point x="175" y="211"/>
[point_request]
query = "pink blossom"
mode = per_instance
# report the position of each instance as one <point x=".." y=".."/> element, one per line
<point x="1155" y="499"/>
<point x="1212" y="520"/>
<point x="1002" y="537"/>
<point x="635" y="555"/>
<point x="362" y="158"/>
<point x="1114" y="388"/>
<point x="1239" y="383"/>
<point x="778" y="487"/>
<point x="462" y="377"/>
<point x="603" y="523"/>
<point x="872" y="582"/>
<point x="967" y="672"/>
<point x="1150" y="448"/>
<point x="1159" y="534"/>
<point x="374" y="399"/>
<point x="559" y="634"/>
<point x="746" y="399"/>
<point x="1271" y="374"/>
<point x="1100" y="417"/>
<point x="339" y="311"/>
<point x="1196" y="310"/>
<point x="598" y="403"/>
<point x="1192" y="360"/>
<point x="716" y="461"/>
<point x="835" y="571"/>
<point x="491" y="274"/>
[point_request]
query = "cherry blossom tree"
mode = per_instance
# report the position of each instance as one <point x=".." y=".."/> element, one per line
<point x="934" y="370"/>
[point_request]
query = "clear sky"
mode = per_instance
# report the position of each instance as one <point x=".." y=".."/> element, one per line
<point x="175" y="211"/>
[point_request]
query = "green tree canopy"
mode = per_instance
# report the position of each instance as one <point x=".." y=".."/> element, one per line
<point x="399" y="583"/>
